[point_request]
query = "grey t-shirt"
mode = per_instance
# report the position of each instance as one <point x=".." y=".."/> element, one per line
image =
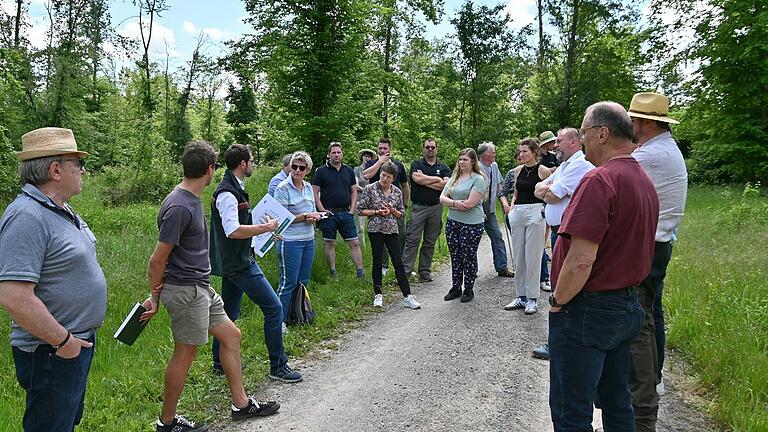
<point x="181" y="222"/>
<point x="54" y="249"/>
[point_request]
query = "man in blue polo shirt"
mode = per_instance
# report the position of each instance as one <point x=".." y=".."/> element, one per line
<point x="335" y="188"/>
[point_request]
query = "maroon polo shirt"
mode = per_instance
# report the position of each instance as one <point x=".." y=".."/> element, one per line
<point x="615" y="206"/>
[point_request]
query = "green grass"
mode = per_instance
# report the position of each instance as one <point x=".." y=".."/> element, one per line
<point x="125" y="385"/>
<point x="716" y="300"/>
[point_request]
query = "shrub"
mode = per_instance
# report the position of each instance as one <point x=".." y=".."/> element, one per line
<point x="9" y="180"/>
<point x="124" y="184"/>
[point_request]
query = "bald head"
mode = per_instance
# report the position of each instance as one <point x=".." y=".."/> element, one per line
<point x="606" y="132"/>
<point x="613" y="116"/>
<point x="568" y="143"/>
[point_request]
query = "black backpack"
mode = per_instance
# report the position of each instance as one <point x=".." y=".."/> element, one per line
<point x="300" y="311"/>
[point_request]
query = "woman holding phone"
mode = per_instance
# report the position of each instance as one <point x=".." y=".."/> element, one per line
<point x="382" y="203"/>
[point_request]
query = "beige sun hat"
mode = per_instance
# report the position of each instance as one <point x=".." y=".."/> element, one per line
<point x="365" y="150"/>
<point x="651" y="106"/>
<point x="546" y="137"/>
<point x="48" y="141"/>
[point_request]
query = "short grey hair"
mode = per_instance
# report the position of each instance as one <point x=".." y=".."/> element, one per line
<point x="35" y="171"/>
<point x="302" y="156"/>
<point x="613" y="116"/>
<point x="484" y="147"/>
<point x="569" y="131"/>
<point x="287" y="159"/>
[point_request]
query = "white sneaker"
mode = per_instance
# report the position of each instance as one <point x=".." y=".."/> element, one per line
<point x="384" y="271"/>
<point x="411" y="302"/>
<point x="660" y="387"/>
<point x="516" y="304"/>
<point x="545" y="286"/>
<point x="531" y="307"/>
<point x="378" y="300"/>
<point x="285" y="328"/>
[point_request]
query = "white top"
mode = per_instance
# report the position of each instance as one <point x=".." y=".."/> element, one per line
<point x="563" y="182"/>
<point x="662" y="160"/>
<point x="226" y="204"/>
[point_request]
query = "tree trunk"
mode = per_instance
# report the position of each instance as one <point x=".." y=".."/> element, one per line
<point x="17" y="29"/>
<point x="387" y="70"/>
<point x="570" y="60"/>
<point x="540" y="59"/>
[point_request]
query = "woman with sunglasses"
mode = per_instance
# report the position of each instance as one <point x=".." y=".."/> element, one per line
<point x="382" y="203"/>
<point x="296" y="250"/>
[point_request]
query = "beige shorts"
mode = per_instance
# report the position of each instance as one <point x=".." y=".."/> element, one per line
<point x="194" y="309"/>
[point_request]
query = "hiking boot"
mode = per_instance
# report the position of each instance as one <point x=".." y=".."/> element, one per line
<point x="517" y="303"/>
<point x="378" y="300"/>
<point x="255" y="409"/>
<point x="285" y="374"/>
<point x="506" y="273"/>
<point x="467" y="296"/>
<point x="411" y="302"/>
<point x="425" y="278"/>
<point x="180" y="424"/>
<point x="531" y="307"/>
<point x="545" y="286"/>
<point x="452" y="294"/>
<point x="541" y="352"/>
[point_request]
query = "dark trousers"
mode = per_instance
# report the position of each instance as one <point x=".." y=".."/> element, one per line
<point x="252" y="282"/>
<point x="391" y="242"/>
<point x="589" y="342"/>
<point x="646" y="365"/>
<point x="401" y="236"/>
<point x="55" y="387"/>
<point x="463" y="240"/>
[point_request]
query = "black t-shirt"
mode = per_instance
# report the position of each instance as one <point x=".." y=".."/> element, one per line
<point x="422" y="194"/>
<point x="549" y="160"/>
<point x="402" y="176"/>
<point x="526" y="184"/>
<point x="335" y="185"/>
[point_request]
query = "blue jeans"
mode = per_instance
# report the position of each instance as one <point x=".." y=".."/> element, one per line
<point x="498" y="247"/>
<point x="295" y="259"/>
<point x="55" y="387"/>
<point x="590" y="360"/>
<point x="252" y="282"/>
<point x="662" y="254"/>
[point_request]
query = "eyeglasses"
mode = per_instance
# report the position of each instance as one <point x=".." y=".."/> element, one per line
<point x="298" y="167"/>
<point x="430" y="147"/>
<point x="583" y="131"/>
<point x="80" y="162"/>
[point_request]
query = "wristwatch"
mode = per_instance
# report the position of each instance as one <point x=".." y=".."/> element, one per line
<point x="553" y="302"/>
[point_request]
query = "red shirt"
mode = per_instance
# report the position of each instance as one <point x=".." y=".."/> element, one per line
<point x="615" y="206"/>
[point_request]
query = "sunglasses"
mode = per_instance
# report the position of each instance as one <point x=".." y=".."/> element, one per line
<point x="80" y="162"/>
<point x="298" y="167"/>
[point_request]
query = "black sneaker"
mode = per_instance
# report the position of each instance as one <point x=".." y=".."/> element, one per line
<point x="255" y="409"/>
<point x="427" y="278"/>
<point x="452" y="294"/>
<point x="467" y="296"/>
<point x="285" y="374"/>
<point x="506" y="273"/>
<point x="180" y="424"/>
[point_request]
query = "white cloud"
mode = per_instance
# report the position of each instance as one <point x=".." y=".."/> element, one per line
<point x="37" y="32"/>
<point x="161" y="36"/>
<point x="521" y="12"/>
<point x="217" y="34"/>
<point x="188" y="27"/>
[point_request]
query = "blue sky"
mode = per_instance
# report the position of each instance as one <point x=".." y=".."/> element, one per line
<point x="180" y="25"/>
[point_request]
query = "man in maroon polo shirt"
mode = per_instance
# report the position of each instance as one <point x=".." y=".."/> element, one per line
<point x="604" y="251"/>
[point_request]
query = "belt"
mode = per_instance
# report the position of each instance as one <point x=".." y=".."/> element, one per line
<point x="338" y="209"/>
<point x="627" y="290"/>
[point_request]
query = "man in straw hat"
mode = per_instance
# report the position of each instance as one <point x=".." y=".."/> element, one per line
<point x="548" y="157"/>
<point x="659" y="155"/>
<point x="51" y="283"/>
<point x="604" y="250"/>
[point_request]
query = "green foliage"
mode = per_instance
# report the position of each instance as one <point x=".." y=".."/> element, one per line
<point x="716" y="300"/>
<point x="9" y="180"/>
<point x="125" y="184"/>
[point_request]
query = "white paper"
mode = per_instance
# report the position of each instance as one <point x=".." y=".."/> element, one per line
<point x="269" y="208"/>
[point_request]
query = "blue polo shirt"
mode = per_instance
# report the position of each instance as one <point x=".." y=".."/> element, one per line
<point x="335" y="185"/>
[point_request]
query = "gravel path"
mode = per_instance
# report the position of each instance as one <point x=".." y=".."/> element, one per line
<point x="446" y="367"/>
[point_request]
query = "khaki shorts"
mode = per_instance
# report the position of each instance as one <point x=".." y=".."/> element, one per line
<point x="194" y="309"/>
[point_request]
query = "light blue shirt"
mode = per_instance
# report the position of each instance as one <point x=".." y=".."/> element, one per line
<point x="280" y="176"/>
<point x="297" y="202"/>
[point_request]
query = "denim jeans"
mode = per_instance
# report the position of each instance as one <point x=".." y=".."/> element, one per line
<point x="295" y="259"/>
<point x="498" y="247"/>
<point x="589" y="342"/>
<point x="55" y="387"/>
<point x="252" y="282"/>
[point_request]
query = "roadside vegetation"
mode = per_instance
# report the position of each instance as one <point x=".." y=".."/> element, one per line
<point x="716" y="299"/>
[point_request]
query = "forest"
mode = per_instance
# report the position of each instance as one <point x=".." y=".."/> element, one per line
<point x="314" y="71"/>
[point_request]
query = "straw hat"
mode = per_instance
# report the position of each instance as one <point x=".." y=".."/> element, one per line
<point x="365" y="150"/>
<point x="652" y="106"/>
<point x="546" y="137"/>
<point x="48" y="141"/>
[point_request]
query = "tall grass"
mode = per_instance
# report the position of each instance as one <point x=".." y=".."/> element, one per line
<point x="716" y="298"/>
<point x="125" y="385"/>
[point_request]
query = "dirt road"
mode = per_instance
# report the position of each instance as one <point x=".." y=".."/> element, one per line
<point x="446" y="367"/>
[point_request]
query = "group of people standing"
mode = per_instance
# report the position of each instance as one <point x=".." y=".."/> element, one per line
<point x="612" y="198"/>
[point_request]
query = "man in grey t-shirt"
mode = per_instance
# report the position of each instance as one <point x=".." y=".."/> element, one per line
<point x="179" y="271"/>
<point x="50" y="282"/>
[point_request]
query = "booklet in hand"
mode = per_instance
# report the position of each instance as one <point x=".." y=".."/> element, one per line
<point x="131" y="327"/>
